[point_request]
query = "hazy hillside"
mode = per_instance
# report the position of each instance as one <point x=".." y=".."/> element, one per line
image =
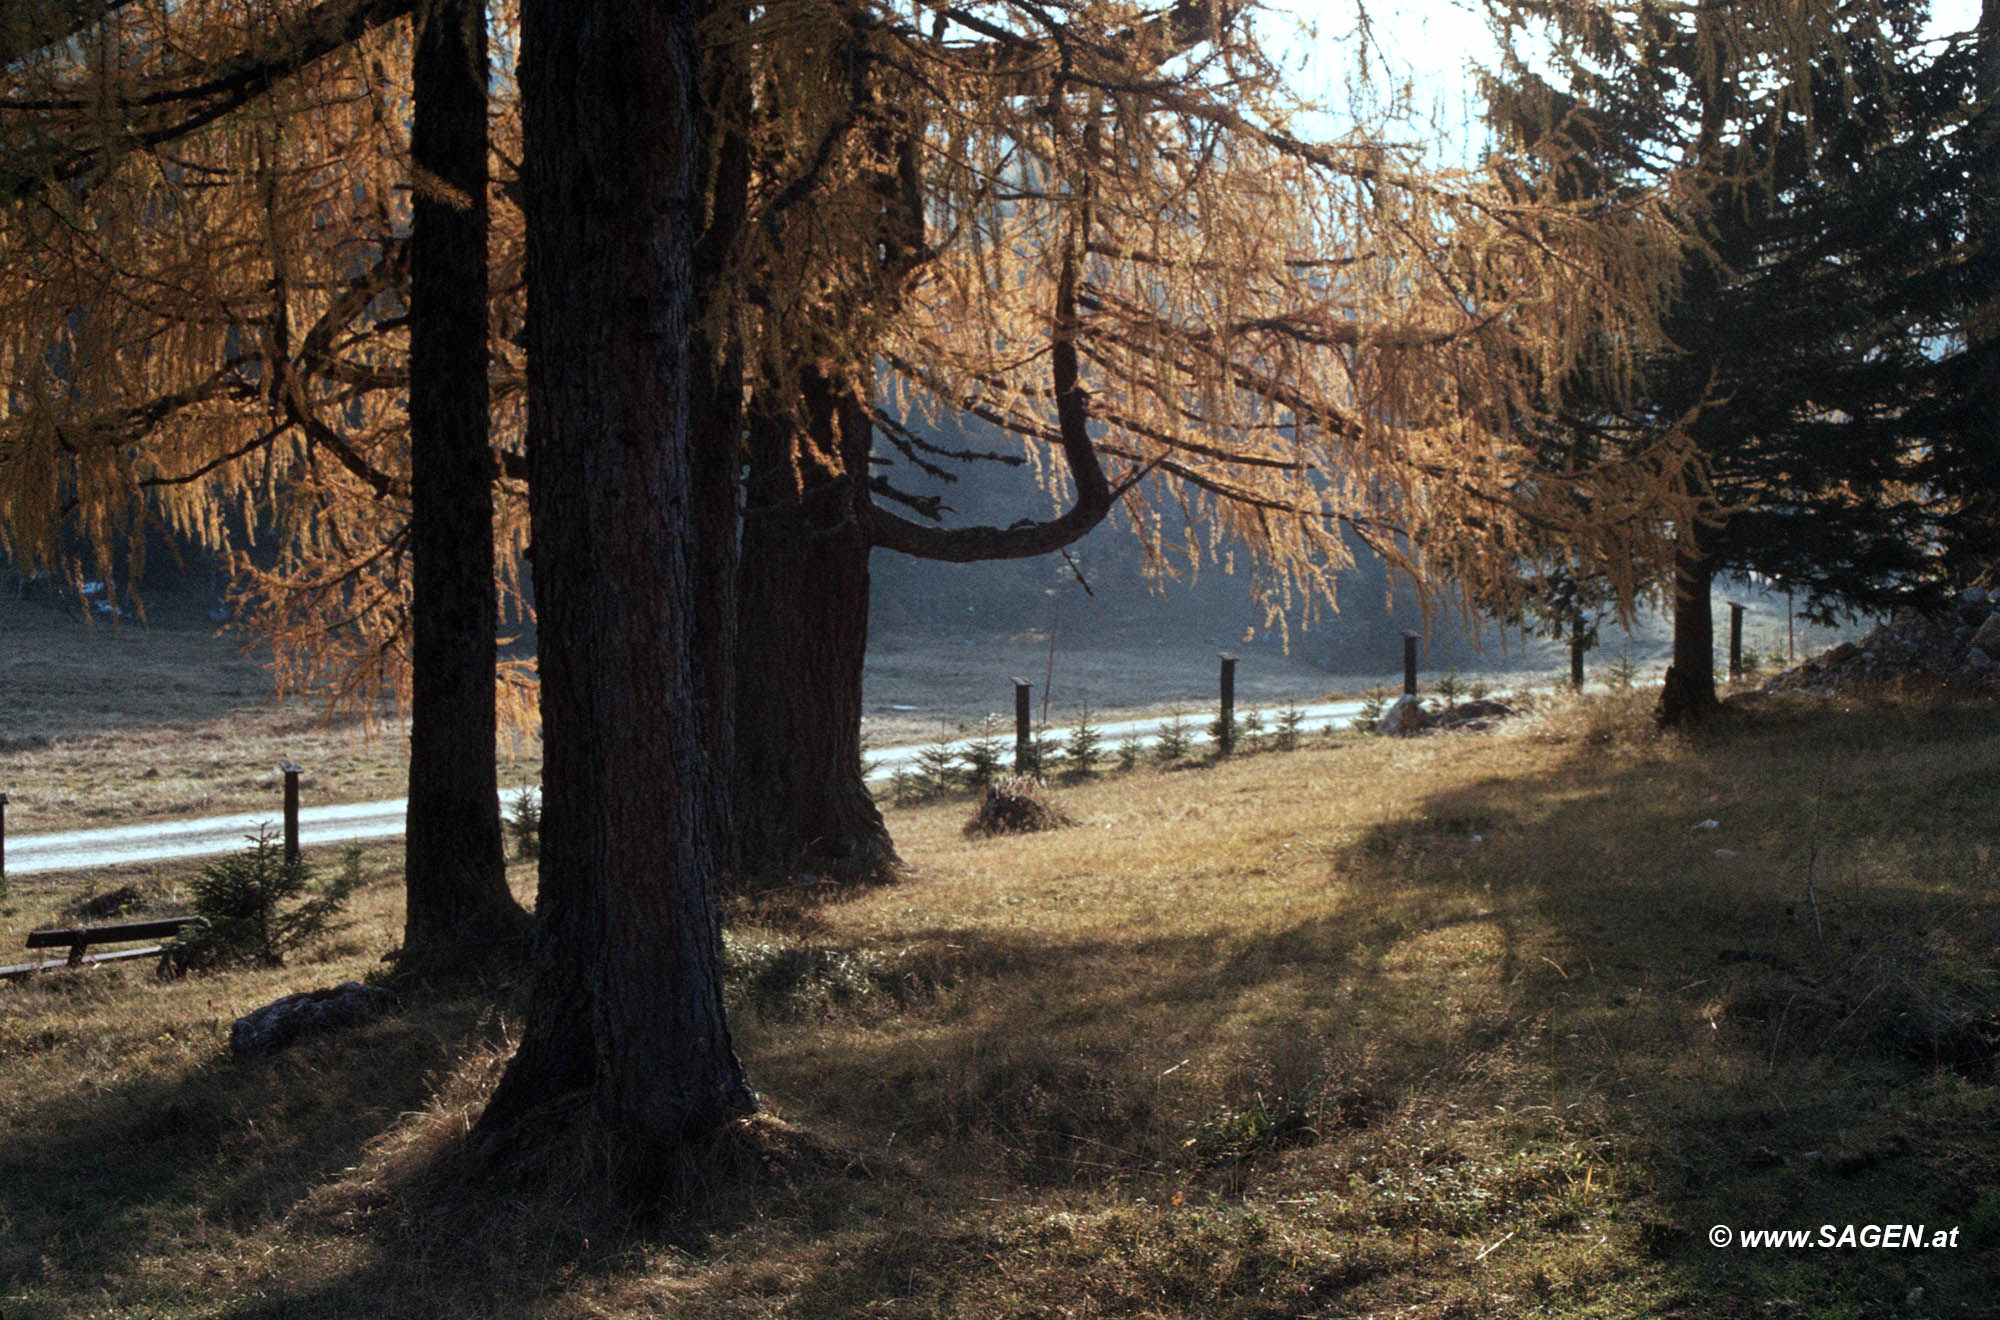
<point x="948" y="639"/>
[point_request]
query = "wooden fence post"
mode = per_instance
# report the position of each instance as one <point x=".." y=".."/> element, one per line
<point x="1024" y="743"/>
<point x="292" y="773"/>
<point x="1225" y="729"/>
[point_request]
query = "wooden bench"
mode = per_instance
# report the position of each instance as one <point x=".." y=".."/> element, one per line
<point x="79" y="938"/>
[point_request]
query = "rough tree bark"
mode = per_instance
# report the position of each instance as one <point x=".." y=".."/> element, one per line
<point x="716" y="416"/>
<point x="625" y="1007"/>
<point x="1983" y="320"/>
<point x="800" y="802"/>
<point x="454" y="860"/>
<point x="1688" y="696"/>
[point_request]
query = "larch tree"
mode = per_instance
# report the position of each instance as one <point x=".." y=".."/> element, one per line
<point x="1171" y="299"/>
<point x="219" y="289"/>
<point x="843" y="155"/>
<point x="624" y="1016"/>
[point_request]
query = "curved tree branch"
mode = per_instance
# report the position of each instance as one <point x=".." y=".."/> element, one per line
<point x="1094" y="493"/>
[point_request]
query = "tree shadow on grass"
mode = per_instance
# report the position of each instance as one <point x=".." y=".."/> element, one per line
<point x="1551" y="948"/>
<point x="430" y="1236"/>
<point x="1769" y="958"/>
<point x="125" y="1164"/>
<point x="1658" y="1004"/>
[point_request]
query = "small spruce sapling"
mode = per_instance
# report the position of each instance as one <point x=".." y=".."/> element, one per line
<point x="983" y="755"/>
<point x="907" y="787"/>
<point x="1043" y="749"/>
<point x="937" y="767"/>
<point x="1172" y="743"/>
<point x="1623" y="674"/>
<point x="350" y="867"/>
<point x="1083" y="748"/>
<point x="257" y="906"/>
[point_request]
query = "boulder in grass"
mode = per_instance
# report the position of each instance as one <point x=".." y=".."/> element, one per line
<point x="121" y="902"/>
<point x="1020" y="805"/>
<point x="1405" y="718"/>
<point x="276" y="1025"/>
<point x="1921" y="649"/>
<point x="1474" y="716"/>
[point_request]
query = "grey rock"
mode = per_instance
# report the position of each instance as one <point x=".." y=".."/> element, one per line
<point x="1473" y="715"/>
<point x="1406" y="717"/>
<point x="1975" y="596"/>
<point x="1915" y="646"/>
<point x="278" y="1024"/>
<point x="122" y="901"/>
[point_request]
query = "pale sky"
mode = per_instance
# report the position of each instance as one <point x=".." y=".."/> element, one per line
<point x="1426" y="48"/>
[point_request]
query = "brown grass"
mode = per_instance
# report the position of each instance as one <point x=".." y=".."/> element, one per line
<point x="114" y="725"/>
<point x="1017" y="804"/>
<point x="1474" y="1025"/>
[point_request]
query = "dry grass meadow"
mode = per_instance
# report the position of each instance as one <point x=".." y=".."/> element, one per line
<point x="1477" y="1025"/>
<point x="122" y="724"/>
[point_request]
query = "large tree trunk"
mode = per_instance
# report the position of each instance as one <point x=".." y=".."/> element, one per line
<point x="1689" y="693"/>
<point x="454" y="863"/>
<point x="800" y="803"/>
<point x="716" y="416"/>
<point x="625" y="1005"/>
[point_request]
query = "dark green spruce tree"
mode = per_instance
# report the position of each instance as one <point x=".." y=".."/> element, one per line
<point x="1961" y="403"/>
<point x="1819" y="209"/>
